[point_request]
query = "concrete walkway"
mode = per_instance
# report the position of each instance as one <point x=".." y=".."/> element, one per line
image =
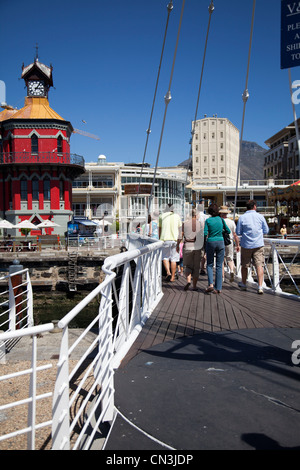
<point x="234" y="390"/>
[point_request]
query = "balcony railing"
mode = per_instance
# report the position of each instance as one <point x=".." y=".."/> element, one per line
<point x="61" y="158"/>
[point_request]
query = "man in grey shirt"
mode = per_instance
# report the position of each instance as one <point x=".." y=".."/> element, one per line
<point x="252" y="227"/>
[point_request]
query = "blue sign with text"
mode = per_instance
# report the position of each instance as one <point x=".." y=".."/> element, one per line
<point x="290" y="34"/>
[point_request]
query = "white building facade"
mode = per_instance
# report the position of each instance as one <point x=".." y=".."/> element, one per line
<point x="124" y="192"/>
<point x="282" y="157"/>
<point x="215" y="150"/>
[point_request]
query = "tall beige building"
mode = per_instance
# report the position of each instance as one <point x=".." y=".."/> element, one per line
<point x="215" y="151"/>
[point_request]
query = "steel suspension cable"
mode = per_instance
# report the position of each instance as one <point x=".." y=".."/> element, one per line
<point x="245" y="97"/>
<point x="167" y="99"/>
<point x="210" y="10"/>
<point x="170" y="8"/>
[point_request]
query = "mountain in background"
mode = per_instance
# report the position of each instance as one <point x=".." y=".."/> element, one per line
<point x="252" y="161"/>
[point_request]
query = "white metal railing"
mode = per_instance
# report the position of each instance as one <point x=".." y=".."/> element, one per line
<point x="282" y="270"/>
<point x="264" y="210"/>
<point x="16" y="300"/>
<point x="104" y="242"/>
<point x="276" y="269"/>
<point x="129" y="293"/>
<point x="33" y="397"/>
<point x="83" y="396"/>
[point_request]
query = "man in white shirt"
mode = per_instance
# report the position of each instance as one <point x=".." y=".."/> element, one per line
<point x="169" y="224"/>
<point x="252" y="226"/>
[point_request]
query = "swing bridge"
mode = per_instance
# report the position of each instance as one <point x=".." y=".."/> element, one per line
<point x="158" y="367"/>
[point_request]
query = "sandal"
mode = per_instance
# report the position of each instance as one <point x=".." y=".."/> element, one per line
<point x="187" y="286"/>
<point x="209" y="290"/>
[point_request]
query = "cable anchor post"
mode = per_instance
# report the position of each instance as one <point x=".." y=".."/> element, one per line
<point x="211" y="7"/>
<point x="245" y="96"/>
<point x="170" y="6"/>
<point x="168" y="98"/>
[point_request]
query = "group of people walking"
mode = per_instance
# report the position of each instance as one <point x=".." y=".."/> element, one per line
<point x="204" y="237"/>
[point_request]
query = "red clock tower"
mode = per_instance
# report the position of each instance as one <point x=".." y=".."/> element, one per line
<point x="36" y="166"/>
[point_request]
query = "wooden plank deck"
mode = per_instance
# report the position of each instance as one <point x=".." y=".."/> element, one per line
<point x="186" y="313"/>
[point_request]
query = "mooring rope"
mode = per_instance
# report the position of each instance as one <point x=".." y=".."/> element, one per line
<point x="145" y="433"/>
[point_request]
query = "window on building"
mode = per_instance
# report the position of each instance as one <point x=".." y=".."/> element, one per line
<point x="34" y="144"/>
<point x="59" y="144"/>
<point x="10" y="145"/>
<point x="61" y="189"/>
<point x="47" y="189"/>
<point x="79" y="209"/>
<point x="10" y="193"/>
<point x="102" y="181"/>
<point x="35" y="189"/>
<point x="24" y="190"/>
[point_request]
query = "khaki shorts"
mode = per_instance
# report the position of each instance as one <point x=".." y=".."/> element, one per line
<point x="255" y="254"/>
<point x="229" y="252"/>
<point x="191" y="261"/>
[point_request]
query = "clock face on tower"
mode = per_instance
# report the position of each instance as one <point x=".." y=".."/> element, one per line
<point x="36" y="88"/>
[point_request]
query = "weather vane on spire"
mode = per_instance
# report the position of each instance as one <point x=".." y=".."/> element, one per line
<point x="36" y="51"/>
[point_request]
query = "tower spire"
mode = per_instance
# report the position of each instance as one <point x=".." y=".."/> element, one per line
<point x="36" y="52"/>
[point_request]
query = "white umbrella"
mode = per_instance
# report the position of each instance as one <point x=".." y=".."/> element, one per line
<point x="25" y="224"/>
<point x="102" y="222"/>
<point x="47" y="223"/>
<point x="5" y="224"/>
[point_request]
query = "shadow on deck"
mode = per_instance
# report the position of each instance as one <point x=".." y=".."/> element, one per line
<point x="211" y="372"/>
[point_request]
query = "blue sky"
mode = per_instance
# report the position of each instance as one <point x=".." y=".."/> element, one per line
<point x="105" y="56"/>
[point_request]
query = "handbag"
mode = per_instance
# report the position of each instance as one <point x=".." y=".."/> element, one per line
<point x="226" y="235"/>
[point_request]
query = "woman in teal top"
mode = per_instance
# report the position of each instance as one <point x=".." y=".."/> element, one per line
<point x="213" y="230"/>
